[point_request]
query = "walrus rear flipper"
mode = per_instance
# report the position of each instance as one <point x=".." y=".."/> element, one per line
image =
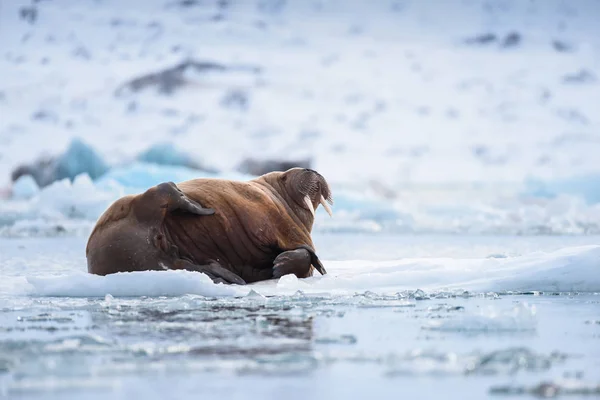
<point x="175" y="199"/>
<point x="214" y="271"/>
<point x="153" y="205"/>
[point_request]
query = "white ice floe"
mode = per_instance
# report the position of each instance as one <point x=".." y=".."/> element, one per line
<point x="574" y="269"/>
<point x="147" y="283"/>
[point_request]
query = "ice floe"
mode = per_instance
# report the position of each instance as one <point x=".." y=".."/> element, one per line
<point x="574" y="269"/>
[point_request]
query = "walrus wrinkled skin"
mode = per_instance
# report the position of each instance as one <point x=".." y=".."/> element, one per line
<point x="235" y="232"/>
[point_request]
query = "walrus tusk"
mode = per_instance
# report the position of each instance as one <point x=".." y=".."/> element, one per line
<point x="326" y="206"/>
<point x="309" y="205"/>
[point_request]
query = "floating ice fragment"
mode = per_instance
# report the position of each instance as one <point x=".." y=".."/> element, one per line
<point x="550" y="389"/>
<point x="341" y="339"/>
<point x="24" y="188"/>
<point x="253" y="294"/>
<point x="519" y="319"/>
<point x="419" y="295"/>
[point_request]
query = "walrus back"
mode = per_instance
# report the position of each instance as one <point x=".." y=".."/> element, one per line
<point x="240" y="234"/>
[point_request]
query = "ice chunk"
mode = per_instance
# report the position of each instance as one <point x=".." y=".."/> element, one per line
<point x="24" y="188"/>
<point x="127" y="284"/>
<point x="64" y="207"/>
<point x="584" y="186"/>
<point x="168" y="154"/>
<point x="79" y="158"/>
<point x="79" y="199"/>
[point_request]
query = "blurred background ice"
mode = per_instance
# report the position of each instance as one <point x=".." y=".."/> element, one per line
<point x="474" y="116"/>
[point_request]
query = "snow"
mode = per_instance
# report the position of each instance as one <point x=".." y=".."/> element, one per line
<point x="419" y="124"/>
<point x="574" y="269"/>
<point x="384" y="91"/>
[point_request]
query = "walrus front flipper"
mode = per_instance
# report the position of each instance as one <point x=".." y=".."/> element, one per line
<point x="297" y="262"/>
<point x="314" y="259"/>
<point x="214" y="271"/>
<point x="174" y="199"/>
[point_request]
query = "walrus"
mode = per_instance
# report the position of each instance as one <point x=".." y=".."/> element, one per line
<point x="234" y="232"/>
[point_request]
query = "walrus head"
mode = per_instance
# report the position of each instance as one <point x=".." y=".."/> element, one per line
<point x="303" y="189"/>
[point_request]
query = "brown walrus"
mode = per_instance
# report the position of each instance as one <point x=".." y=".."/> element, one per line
<point x="235" y="232"/>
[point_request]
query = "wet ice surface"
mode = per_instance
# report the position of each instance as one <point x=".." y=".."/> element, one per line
<point x="464" y="344"/>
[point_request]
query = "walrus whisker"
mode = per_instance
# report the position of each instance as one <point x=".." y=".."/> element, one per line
<point x="326" y="206"/>
<point x="309" y="205"/>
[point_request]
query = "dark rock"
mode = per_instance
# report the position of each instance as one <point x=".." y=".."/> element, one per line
<point x="188" y="3"/>
<point x="485" y="38"/>
<point x="45" y="116"/>
<point x="171" y="79"/>
<point x="513" y="39"/>
<point x="235" y="99"/>
<point x="261" y="167"/>
<point x="82" y="52"/>
<point x="562" y="47"/>
<point x="582" y="76"/>
<point x="28" y="14"/>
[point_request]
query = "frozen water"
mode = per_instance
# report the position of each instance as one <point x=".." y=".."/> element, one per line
<point x="479" y="312"/>
<point x="520" y="318"/>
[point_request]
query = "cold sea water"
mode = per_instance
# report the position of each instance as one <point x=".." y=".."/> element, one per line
<point x="427" y="316"/>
